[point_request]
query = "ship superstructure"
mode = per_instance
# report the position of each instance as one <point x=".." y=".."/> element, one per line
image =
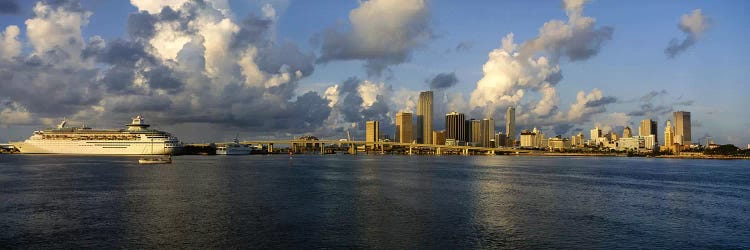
<point x="137" y="139"/>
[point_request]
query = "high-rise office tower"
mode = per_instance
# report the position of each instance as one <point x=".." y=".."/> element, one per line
<point x="510" y="125"/>
<point x="596" y="133"/>
<point x="404" y="127"/>
<point x="648" y="127"/>
<point x="500" y="138"/>
<point x="455" y="127"/>
<point x="424" y="117"/>
<point x="682" y="128"/>
<point x="476" y="132"/>
<point x="626" y="133"/>
<point x="467" y="135"/>
<point x="669" y="136"/>
<point x="488" y="131"/>
<point x="372" y="132"/>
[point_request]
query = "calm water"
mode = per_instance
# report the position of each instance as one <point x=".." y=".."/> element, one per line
<point x="373" y="201"/>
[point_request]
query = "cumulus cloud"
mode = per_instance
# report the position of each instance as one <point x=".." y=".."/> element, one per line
<point x="10" y="47"/>
<point x="515" y="73"/>
<point x="12" y="113"/>
<point x="401" y="27"/>
<point x="443" y="81"/>
<point x="9" y="7"/>
<point x="693" y="24"/>
<point x="182" y="62"/>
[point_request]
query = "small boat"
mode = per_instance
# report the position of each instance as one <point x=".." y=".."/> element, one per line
<point x="156" y="160"/>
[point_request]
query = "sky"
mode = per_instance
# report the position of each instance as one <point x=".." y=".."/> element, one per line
<point x="209" y="70"/>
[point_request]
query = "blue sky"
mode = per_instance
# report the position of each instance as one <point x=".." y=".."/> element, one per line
<point x="710" y="75"/>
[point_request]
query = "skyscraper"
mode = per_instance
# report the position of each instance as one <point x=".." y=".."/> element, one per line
<point x="669" y="136"/>
<point x="648" y="127"/>
<point x="372" y="132"/>
<point x="424" y="117"/>
<point x="682" y="128"/>
<point x="404" y="127"/>
<point x="455" y="126"/>
<point x="596" y="133"/>
<point x="476" y="132"/>
<point x="510" y="125"/>
<point x="488" y="131"/>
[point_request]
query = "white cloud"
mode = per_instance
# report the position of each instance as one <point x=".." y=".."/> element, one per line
<point x="57" y="29"/>
<point x="10" y="47"/>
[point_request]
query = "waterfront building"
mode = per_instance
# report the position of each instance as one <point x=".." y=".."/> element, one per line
<point x="649" y="142"/>
<point x="404" y="127"/>
<point x="626" y="133"/>
<point x="559" y="143"/>
<point x="577" y="140"/>
<point x="500" y="139"/>
<point x="488" y="131"/>
<point x="669" y="136"/>
<point x="438" y="137"/>
<point x="528" y="139"/>
<point x="544" y="143"/>
<point x="682" y="134"/>
<point x="596" y="133"/>
<point x="510" y="125"/>
<point x="648" y="127"/>
<point x="455" y="127"/>
<point x="476" y="132"/>
<point x="372" y="133"/>
<point x="467" y="135"/>
<point x="628" y="143"/>
<point x="424" y="117"/>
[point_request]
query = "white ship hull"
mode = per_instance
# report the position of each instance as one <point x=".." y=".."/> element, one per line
<point x="95" y="147"/>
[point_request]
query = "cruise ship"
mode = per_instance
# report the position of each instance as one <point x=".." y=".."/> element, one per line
<point x="137" y="139"/>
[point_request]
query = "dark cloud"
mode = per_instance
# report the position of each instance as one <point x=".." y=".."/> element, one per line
<point x="601" y="102"/>
<point x="68" y="5"/>
<point x="647" y="106"/>
<point x="274" y="59"/>
<point x="588" y="44"/>
<point x="9" y="7"/>
<point x="443" y="81"/>
<point x="253" y="30"/>
<point x="141" y="25"/>
<point x="563" y="128"/>
<point x="47" y="90"/>
<point x="676" y="47"/>
<point x="464" y="46"/>
<point x="162" y="77"/>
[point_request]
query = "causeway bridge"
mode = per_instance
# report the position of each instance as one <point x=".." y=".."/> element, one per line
<point x="298" y="145"/>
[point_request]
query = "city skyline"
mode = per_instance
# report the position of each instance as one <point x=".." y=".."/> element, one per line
<point x="275" y="69"/>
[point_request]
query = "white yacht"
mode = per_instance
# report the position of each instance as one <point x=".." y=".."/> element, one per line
<point x="234" y="148"/>
<point x="137" y="139"/>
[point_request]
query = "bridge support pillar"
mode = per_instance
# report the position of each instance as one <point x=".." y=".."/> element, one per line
<point x="322" y="148"/>
<point x="466" y="151"/>
<point x="492" y="152"/>
<point x="410" y="152"/>
<point x="352" y="149"/>
<point x="270" y="147"/>
<point x="438" y="151"/>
